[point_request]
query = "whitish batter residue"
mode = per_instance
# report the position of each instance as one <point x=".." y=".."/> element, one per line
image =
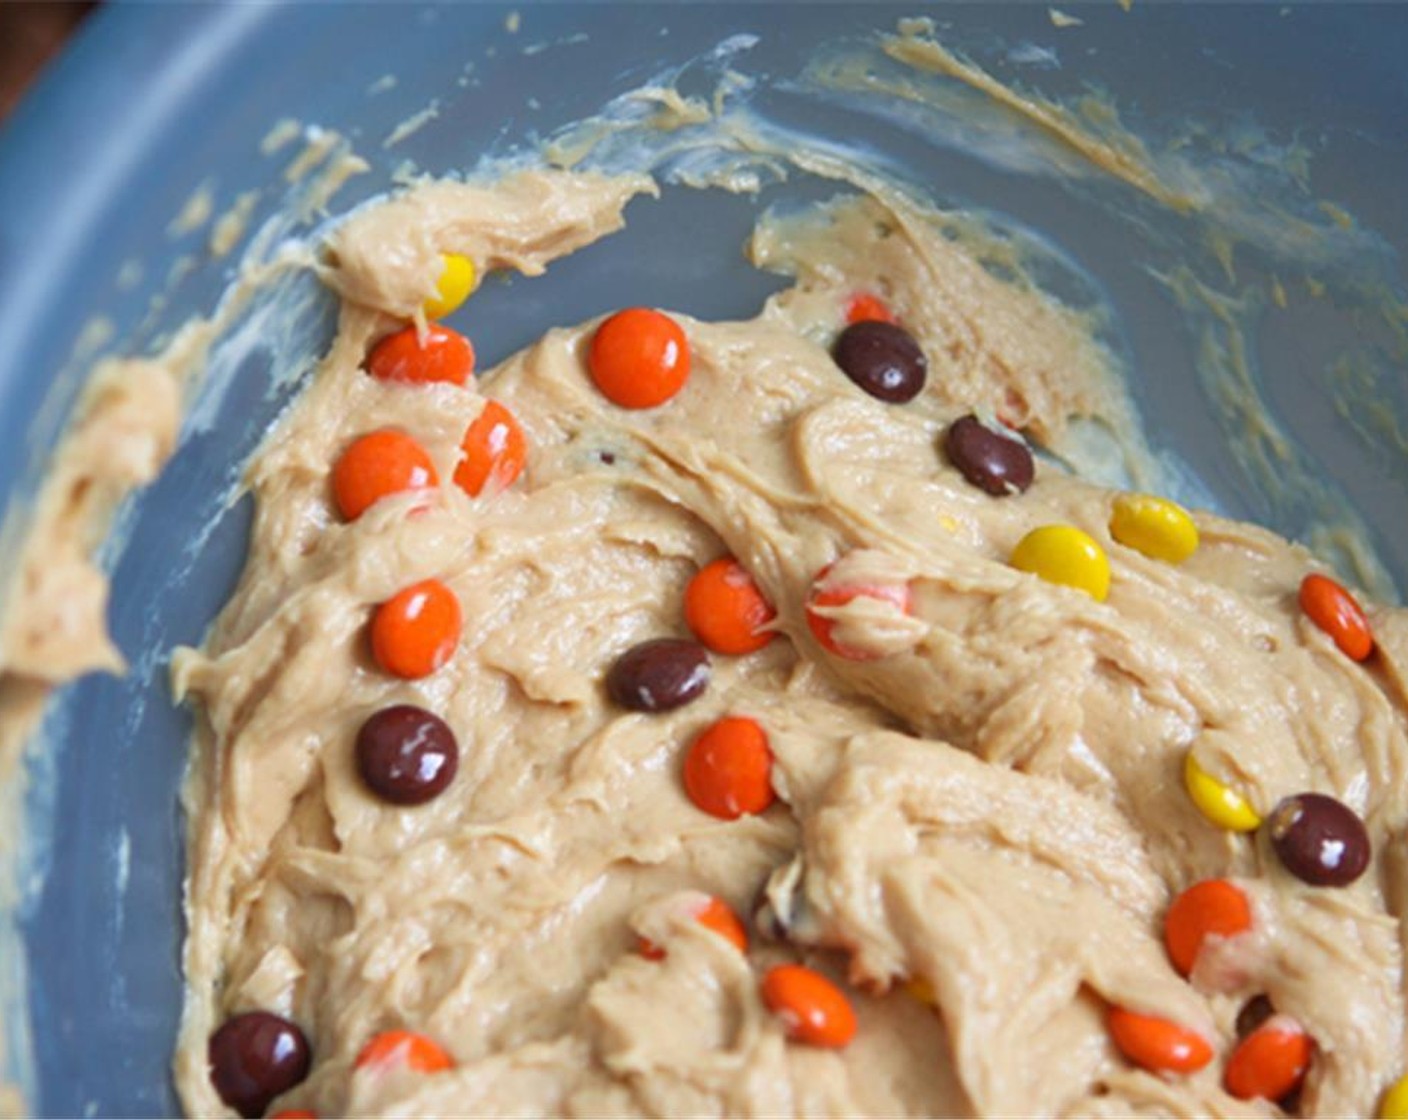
<point x="129" y="275"/>
<point x="1115" y="151"/>
<point x="318" y="144"/>
<point x="96" y="333"/>
<point x="545" y="44"/>
<point x="1032" y="54"/>
<point x="195" y="212"/>
<point x="329" y="153"/>
<point x="1227" y="371"/>
<point x="180" y="268"/>
<point x="412" y="124"/>
<point x="230" y="226"/>
<point x="1371" y="393"/>
<point x="282" y="134"/>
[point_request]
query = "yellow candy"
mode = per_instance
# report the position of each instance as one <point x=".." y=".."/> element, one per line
<point x="1224" y="807"/>
<point x="919" y="988"/>
<point x="1394" y="1105"/>
<point x="453" y="288"/>
<point x="1063" y="554"/>
<point x="1160" y="529"/>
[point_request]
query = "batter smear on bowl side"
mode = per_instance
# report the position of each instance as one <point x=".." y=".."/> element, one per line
<point x="738" y="718"/>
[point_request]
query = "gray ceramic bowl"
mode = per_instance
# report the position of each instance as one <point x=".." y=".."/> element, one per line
<point x="151" y="102"/>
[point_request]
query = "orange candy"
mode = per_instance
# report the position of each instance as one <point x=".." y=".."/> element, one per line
<point x="1213" y="907"/>
<point x="376" y="466"/>
<point x="1157" y="1044"/>
<point x="404" y="1048"/>
<point x="1270" y="1062"/>
<point x="443" y="355"/>
<point x="864" y="307"/>
<point x="494" y="451"/>
<point x="639" y="358"/>
<point x="821" y="626"/>
<point x="812" y="1009"/>
<point x="728" y="770"/>
<point x="716" y="915"/>
<point x="415" y="631"/>
<point x="725" y="609"/>
<point x="1336" y="612"/>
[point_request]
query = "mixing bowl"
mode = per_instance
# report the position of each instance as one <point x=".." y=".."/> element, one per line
<point x="156" y="109"/>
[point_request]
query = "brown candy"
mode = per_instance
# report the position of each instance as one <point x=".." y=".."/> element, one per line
<point x="1319" y="840"/>
<point x="1254" y="1012"/>
<point x="882" y="359"/>
<point x="993" y="462"/>
<point x="659" y="675"/>
<point x="406" y="755"/>
<point x="254" y="1057"/>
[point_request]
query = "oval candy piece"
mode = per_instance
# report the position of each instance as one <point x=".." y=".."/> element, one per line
<point x="725" y="609"/>
<point x="1156" y="1044"/>
<point x="376" y="466"/>
<point x="812" y="1009"/>
<point x="1270" y="1062"/>
<point x="1220" y="804"/>
<point x="882" y="359"/>
<point x="1064" y="554"/>
<point x="1253" y="1013"/>
<point x="255" y="1057"/>
<point x="728" y="769"/>
<point x="1393" y="1105"/>
<point x="442" y="355"/>
<point x="415" y="632"/>
<point x="402" y="1049"/>
<point x="659" y="675"/>
<point x="495" y="450"/>
<point x="1212" y="908"/>
<point x="639" y="358"/>
<point x="896" y="596"/>
<point x="457" y="280"/>
<point x="1335" y="611"/>
<point x="1321" y="841"/>
<point x="1154" y="527"/>
<point x="916" y="987"/>
<point x="995" y="463"/>
<point x="406" y="755"/>
<point x="721" y="918"/>
<point x="715" y="914"/>
<point x="865" y="306"/>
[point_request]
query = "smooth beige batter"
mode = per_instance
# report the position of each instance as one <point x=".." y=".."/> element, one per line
<point x="994" y="807"/>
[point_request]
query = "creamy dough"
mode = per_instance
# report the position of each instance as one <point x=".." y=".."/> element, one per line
<point x="53" y="628"/>
<point x="994" y="807"/>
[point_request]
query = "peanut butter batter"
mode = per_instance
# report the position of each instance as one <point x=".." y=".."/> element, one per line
<point x="978" y="829"/>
